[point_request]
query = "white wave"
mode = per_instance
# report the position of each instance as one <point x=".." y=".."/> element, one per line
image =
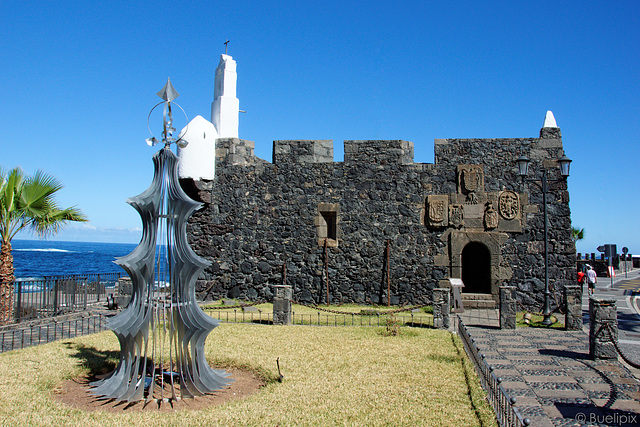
<point x="30" y="288"/>
<point x="43" y="250"/>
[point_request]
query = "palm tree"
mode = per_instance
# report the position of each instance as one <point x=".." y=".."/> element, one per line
<point x="577" y="234"/>
<point x="26" y="202"/>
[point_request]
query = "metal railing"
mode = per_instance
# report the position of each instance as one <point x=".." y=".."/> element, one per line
<point x="12" y="338"/>
<point x="55" y="295"/>
<point x="502" y="404"/>
<point x="239" y="315"/>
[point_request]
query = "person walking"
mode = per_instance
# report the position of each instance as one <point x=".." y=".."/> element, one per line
<point x="592" y="279"/>
<point x="581" y="279"/>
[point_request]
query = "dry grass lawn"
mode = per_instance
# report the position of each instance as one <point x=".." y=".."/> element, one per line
<point x="332" y="376"/>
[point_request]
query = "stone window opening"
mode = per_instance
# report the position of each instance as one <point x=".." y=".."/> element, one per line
<point x="326" y="222"/>
<point x="330" y="220"/>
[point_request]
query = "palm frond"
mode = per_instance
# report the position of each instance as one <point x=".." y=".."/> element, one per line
<point x="29" y="202"/>
<point x="11" y="188"/>
<point x="36" y="195"/>
<point x="54" y="219"/>
<point x="577" y="234"/>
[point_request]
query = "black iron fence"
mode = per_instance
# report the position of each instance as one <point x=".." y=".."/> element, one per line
<point x="30" y="334"/>
<point x="251" y="314"/>
<point x="502" y="404"/>
<point x="54" y="295"/>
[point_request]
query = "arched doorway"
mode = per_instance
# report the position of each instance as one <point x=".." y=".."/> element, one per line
<point x="476" y="268"/>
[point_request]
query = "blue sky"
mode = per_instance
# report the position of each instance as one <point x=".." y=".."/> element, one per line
<point x="79" y="78"/>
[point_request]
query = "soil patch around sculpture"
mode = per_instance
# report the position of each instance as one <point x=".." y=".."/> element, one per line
<point x="76" y="394"/>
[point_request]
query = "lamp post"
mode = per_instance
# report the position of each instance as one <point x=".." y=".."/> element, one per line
<point x="523" y="170"/>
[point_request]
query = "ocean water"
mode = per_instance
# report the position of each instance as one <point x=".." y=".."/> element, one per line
<point x="37" y="258"/>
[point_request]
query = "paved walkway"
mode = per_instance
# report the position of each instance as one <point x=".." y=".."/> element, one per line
<point x="550" y="374"/>
<point x="626" y="292"/>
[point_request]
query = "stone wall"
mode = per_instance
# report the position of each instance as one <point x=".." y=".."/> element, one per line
<point x="260" y="215"/>
<point x="521" y="262"/>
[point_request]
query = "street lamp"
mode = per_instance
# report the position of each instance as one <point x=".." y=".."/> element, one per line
<point x="523" y="169"/>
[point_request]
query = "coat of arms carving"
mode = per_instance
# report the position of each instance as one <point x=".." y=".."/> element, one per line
<point x="509" y="204"/>
<point x="437" y="210"/>
<point x="490" y="216"/>
<point x="470" y="179"/>
<point x="456" y="216"/>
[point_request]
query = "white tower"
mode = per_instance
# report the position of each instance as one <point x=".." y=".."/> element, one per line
<point x="225" y="107"/>
<point x="198" y="159"/>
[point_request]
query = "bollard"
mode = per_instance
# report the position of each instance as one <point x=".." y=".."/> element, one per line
<point x="573" y="308"/>
<point x="507" y="307"/>
<point x="441" y="308"/>
<point x="282" y="304"/>
<point x="603" y="328"/>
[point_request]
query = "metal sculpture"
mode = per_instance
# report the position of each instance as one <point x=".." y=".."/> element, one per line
<point x="163" y="330"/>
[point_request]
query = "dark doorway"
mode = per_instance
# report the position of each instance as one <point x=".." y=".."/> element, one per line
<point x="476" y="269"/>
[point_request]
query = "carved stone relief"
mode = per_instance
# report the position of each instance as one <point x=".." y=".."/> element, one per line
<point x="456" y="216"/>
<point x="509" y="205"/>
<point x="471" y="181"/>
<point x="490" y="216"/>
<point x="438" y="210"/>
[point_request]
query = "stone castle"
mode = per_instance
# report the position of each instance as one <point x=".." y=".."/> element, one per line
<point x="377" y="227"/>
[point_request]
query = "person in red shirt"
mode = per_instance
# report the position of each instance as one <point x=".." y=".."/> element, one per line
<point x="581" y="278"/>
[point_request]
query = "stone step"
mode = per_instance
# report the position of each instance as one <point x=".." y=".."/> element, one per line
<point x="479" y="304"/>
<point x="471" y="296"/>
<point x="484" y="301"/>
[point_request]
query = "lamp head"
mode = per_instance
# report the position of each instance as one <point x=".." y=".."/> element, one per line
<point x="565" y="163"/>
<point x="523" y="165"/>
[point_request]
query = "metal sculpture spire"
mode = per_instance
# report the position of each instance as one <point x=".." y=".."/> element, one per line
<point x="162" y="331"/>
<point x="168" y="93"/>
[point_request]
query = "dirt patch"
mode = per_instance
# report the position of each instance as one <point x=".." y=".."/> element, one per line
<point x="75" y="393"/>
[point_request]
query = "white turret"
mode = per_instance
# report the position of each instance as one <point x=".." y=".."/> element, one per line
<point x="198" y="159"/>
<point x="225" y="106"/>
<point x="549" y="120"/>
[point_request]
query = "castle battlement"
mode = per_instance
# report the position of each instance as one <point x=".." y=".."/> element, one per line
<point x="235" y="151"/>
<point x="378" y="152"/>
<point x="303" y="151"/>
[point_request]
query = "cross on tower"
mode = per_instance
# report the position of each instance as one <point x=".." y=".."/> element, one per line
<point x="225" y="46"/>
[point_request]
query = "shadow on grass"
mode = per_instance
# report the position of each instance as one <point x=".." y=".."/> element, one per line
<point x="99" y="362"/>
<point x="419" y="325"/>
<point x="536" y="321"/>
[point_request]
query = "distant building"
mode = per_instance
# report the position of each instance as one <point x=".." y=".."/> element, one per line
<point x="468" y="216"/>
